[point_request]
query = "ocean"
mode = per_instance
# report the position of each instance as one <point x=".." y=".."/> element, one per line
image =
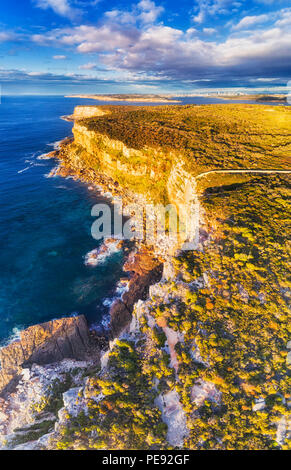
<point x="45" y="223"/>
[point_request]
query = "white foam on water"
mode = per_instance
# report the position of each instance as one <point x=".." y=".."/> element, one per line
<point x="14" y="336"/>
<point x="44" y="156"/>
<point x="52" y="173"/>
<point x="24" y="169"/>
<point x="100" y="255"/>
<point x="61" y="186"/>
<point x="56" y="144"/>
<point x="108" y="302"/>
<point x="122" y="287"/>
<point x="103" y="325"/>
<point x="105" y="322"/>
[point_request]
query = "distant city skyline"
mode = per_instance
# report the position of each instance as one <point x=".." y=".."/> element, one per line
<point x="78" y="46"/>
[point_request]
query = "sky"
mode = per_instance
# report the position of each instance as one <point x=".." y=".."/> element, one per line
<point x="170" y="46"/>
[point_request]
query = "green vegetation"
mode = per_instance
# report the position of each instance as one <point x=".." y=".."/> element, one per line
<point x="52" y="402"/>
<point x="32" y="433"/>
<point x="239" y="320"/>
<point x="157" y="138"/>
<point x="208" y="137"/>
<point x="121" y="412"/>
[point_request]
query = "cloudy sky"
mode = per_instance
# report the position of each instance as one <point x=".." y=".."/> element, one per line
<point x="101" y="46"/>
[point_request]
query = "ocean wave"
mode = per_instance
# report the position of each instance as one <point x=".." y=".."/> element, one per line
<point x="24" y="169"/>
<point x="100" y="255"/>
<point x="108" y="302"/>
<point x="45" y="156"/>
<point x="62" y="186"/>
<point x="53" y="172"/>
<point x="31" y="163"/>
<point x="105" y="322"/>
<point x="56" y="144"/>
<point x="102" y="326"/>
<point x="121" y="287"/>
<point x="14" y="336"/>
<point x="107" y="195"/>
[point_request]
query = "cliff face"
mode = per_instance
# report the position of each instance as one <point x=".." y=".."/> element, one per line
<point x="142" y="171"/>
<point x="46" y="343"/>
<point x="150" y="175"/>
<point x="82" y="112"/>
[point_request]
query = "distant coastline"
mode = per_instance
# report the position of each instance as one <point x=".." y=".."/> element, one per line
<point x="258" y="98"/>
<point x="150" y="98"/>
<point x="130" y="97"/>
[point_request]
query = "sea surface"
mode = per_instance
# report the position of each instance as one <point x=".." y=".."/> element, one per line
<point x="45" y="223"/>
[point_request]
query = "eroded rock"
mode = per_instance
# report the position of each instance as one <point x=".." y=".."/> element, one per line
<point x="47" y="343"/>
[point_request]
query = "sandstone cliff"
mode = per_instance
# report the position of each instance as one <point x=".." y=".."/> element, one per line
<point x="47" y="343"/>
<point x="82" y="112"/>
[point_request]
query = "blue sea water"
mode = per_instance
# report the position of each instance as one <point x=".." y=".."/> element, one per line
<point x="45" y="223"/>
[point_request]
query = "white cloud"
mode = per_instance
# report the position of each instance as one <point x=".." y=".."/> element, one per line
<point x="214" y="7"/>
<point x="248" y="21"/>
<point x="60" y="7"/>
<point x="89" y="66"/>
<point x="6" y="36"/>
<point x="146" y="12"/>
<point x="159" y="51"/>
<point x="123" y="17"/>
<point x="107" y="37"/>
<point x="267" y="80"/>
<point x="192" y="32"/>
<point x="285" y="19"/>
<point x="209" y="30"/>
<point x="200" y="17"/>
<point x="20" y="74"/>
<point x="59" y="57"/>
<point x="172" y="53"/>
<point x="149" y="11"/>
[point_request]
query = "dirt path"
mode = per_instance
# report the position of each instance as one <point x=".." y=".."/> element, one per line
<point x="242" y="171"/>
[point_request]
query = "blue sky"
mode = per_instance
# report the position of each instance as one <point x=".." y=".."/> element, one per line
<point x="99" y="46"/>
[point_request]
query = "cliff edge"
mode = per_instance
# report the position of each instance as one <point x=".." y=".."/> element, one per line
<point x="46" y="343"/>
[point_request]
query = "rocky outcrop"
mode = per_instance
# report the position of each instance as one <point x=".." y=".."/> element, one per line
<point x="66" y="338"/>
<point x="31" y="411"/>
<point x="83" y="112"/>
<point x="146" y="270"/>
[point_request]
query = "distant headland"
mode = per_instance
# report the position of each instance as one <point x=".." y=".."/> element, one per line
<point x="268" y="98"/>
<point x="130" y="97"/>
